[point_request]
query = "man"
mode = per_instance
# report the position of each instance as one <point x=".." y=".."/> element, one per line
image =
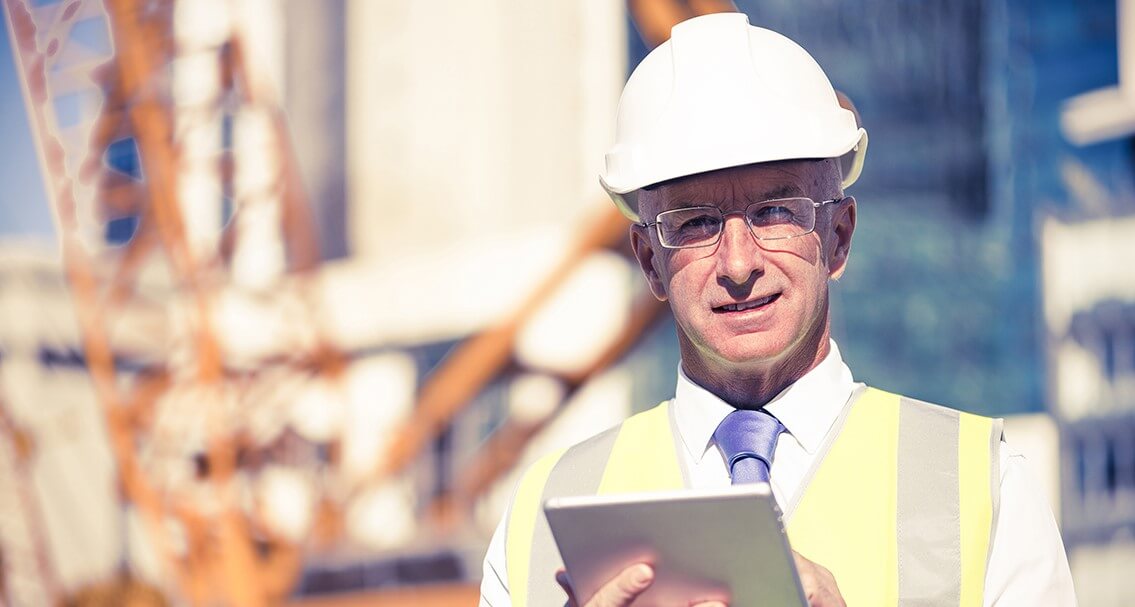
<point x="731" y="159"/>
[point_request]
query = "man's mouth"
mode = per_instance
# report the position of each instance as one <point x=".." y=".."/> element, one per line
<point x="747" y="305"/>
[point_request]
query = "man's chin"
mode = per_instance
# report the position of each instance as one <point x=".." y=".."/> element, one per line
<point x="751" y="349"/>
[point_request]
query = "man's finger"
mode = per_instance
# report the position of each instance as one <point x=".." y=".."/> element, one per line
<point x="565" y="583"/>
<point x="620" y="591"/>
<point x="819" y="584"/>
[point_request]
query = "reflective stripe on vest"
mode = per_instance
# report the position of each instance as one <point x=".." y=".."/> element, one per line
<point x="899" y="504"/>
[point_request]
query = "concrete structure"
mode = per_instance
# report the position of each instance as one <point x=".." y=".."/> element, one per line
<point x="1089" y="309"/>
<point x="1089" y="295"/>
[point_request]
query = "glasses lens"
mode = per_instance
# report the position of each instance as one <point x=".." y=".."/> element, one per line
<point x="785" y="218"/>
<point x="694" y="227"/>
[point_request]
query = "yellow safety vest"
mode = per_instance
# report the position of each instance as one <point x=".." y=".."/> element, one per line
<point x="899" y="505"/>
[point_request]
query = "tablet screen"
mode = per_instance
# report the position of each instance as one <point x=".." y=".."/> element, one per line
<point x="723" y="544"/>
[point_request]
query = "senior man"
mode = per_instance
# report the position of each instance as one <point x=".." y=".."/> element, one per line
<point x="731" y="160"/>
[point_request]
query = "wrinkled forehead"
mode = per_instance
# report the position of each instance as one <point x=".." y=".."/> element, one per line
<point x="817" y="179"/>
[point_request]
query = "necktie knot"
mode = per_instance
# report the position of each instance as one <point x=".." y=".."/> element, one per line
<point x="748" y="438"/>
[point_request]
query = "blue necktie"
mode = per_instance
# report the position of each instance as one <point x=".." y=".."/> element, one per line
<point x="747" y="438"/>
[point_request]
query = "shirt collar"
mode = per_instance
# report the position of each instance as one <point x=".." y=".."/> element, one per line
<point x="807" y="408"/>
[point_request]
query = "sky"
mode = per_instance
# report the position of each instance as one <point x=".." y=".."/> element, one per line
<point x="24" y="211"/>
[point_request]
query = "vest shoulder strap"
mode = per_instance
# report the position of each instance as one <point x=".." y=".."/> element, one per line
<point x="524" y="517"/>
<point x="632" y="456"/>
<point x="643" y="456"/>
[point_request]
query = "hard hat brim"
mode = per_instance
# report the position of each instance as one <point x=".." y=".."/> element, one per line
<point x="851" y="164"/>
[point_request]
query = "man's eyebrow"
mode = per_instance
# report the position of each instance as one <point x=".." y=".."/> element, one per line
<point x="782" y="191"/>
<point x="687" y="196"/>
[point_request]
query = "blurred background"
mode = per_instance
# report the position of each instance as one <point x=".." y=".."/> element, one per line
<point x="291" y="290"/>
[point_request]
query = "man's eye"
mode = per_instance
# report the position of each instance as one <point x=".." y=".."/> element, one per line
<point x="700" y="222"/>
<point x="774" y="214"/>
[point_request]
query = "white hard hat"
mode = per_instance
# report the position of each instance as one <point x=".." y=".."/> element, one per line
<point x="722" y="93"/>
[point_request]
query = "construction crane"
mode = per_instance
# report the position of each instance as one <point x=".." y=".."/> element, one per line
<point x="165" y="153"/>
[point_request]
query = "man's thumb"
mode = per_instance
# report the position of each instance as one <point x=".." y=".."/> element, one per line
<point x="620" y="591"/>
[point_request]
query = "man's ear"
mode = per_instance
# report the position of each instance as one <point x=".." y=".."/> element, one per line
<point x="843" y="227"/>
<point x="644" y="252"/>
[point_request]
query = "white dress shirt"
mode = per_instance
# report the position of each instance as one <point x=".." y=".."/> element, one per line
<point x="1027" y="564"/>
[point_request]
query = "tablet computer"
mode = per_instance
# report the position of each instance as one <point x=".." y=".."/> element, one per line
<point x="723" y="544"/>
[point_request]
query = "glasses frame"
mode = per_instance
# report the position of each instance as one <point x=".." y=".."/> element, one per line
<point x="744" y="213"/>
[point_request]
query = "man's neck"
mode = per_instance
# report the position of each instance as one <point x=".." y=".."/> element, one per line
<point x="753" y="386"/>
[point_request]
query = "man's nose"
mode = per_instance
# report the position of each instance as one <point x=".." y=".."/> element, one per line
<point x="738" y="254"/>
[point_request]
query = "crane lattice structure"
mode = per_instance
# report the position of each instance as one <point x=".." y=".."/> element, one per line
<point x="134" y="124"/>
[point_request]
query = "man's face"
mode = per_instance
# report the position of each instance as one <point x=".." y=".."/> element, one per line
<point x="782" y="284"/>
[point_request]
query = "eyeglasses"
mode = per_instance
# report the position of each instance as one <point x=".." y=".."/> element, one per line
<point x="694" y="227"/>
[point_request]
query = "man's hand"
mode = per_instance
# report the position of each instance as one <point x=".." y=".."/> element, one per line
<point x="819" y="584"/>
<point x="620" y="591"/>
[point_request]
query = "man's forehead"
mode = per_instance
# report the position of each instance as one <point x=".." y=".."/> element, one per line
<point x="751" y="182"/>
